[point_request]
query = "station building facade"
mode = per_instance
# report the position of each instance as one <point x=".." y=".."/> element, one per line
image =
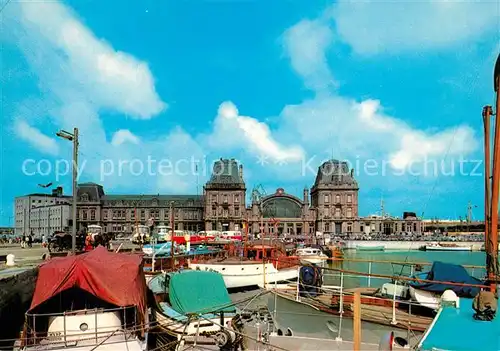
<point x="329" y="206"/>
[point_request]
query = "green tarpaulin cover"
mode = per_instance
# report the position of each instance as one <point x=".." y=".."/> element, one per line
<point x="199" y="292"/>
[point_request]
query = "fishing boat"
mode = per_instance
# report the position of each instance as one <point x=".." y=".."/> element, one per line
<point x="252" y="266"/>
<point x="192" y="304"/>
<point x="447" y="247"/>
<point x="311" y="255"/>
<point x="370" y="248"/>
<point x="93" y="301"/>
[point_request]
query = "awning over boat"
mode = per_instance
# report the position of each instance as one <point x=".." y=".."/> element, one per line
<point x="448" y="272"/>
<point x="199" y="292"/>
<point x="115" y="278"/>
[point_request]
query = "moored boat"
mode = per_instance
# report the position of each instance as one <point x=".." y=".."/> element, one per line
<point x="444" y="276"/>
<point x="370" y="248"/>
<point x="335" y="301"/>
<point x="447" y="247"/>
<point x="93" y="301"/>
<point x="311" y="255"/>
<point x="257" y="264"/>
<point x="194" y="304"/>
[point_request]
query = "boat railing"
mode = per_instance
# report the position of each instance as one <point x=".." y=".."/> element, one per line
<point x="396" y="268"/>
<point x="341" y="299"/>
<point x="91" y="328"/>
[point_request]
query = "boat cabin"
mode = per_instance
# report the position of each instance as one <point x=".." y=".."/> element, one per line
<point x="65" y="314"/>
<point x="309" y="252"/>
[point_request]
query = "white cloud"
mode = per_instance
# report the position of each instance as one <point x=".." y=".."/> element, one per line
<point x="36" y="138"/>
<point x="306" y="43"/>
<point x="373" y="27"/>
<point x="123" y="136"/>
<point x="108" y="78"/>
<point x="82" y="76"/>
<point x="236" y="131"/>
<point x="347" y="128"/>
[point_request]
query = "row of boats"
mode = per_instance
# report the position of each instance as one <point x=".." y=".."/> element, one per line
<point x="118" y="300"/>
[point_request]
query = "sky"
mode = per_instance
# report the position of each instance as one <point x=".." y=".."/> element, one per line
<point x="159" y="90"/>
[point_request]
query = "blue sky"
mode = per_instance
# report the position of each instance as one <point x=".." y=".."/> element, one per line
<point x="396" y="89"/>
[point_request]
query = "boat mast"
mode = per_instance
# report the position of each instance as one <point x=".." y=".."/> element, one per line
<point x="487" y="113"/>
<point x="492" y="245"/>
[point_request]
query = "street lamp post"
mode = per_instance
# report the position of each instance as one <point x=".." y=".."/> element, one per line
<point x="74" y="138"/>
<point x="172" y="234"/>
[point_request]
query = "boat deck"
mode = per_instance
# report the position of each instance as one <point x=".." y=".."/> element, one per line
<point x="375" y="313"/>
<point x="456" y="329"/>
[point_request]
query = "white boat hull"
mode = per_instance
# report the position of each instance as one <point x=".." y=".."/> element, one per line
<point x="180" y="328"/>
<point x="240" y="275"/>
<point x="425" y="298"/>
<point x="104" y="333"/>
<point x="314" y="259"/>
<point x="447" y="248"/>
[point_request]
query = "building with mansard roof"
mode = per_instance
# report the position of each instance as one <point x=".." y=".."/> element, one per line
<point x="330" y="206"/>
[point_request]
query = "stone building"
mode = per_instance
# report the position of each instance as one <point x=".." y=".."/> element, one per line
<point x="119" y="213"/>
<point x="224" y="197"/>
<point x="282" y="213"/>
<point x="28" y="216"/>
<point x="334" y="195"/>
<point x="45" y="220"/>
<point x="331" y="206"/>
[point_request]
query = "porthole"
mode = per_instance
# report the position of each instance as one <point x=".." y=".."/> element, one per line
<point x="84" y="327"/>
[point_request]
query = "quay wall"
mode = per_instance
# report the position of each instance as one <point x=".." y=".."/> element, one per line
<point x="16" y="293"/>
<point x="405" y="245"/>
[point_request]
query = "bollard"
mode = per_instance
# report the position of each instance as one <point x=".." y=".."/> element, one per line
<point x="11" y="260"/>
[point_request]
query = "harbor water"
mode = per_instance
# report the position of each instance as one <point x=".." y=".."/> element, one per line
<point x="471" y="258"/>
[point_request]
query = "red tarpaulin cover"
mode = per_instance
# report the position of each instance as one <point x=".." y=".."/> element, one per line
<point x="112" y="277"/>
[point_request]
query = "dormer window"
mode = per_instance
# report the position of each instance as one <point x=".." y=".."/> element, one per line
<point x="84" y="197"/>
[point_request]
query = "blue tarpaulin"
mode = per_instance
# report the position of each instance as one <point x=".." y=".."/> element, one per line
<point x="448" y="272"/>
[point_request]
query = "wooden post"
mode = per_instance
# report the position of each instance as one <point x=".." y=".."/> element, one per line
<point x="357" y="320"/>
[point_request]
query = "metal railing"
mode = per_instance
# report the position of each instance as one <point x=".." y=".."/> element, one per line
<point x="390" y="310"/>
<point x="36" y="326"/>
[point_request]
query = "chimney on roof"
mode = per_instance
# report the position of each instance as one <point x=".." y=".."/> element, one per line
<point x="241" y="172"/>
<point x="306" y="195"/>
<point x="57" y="191"/>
